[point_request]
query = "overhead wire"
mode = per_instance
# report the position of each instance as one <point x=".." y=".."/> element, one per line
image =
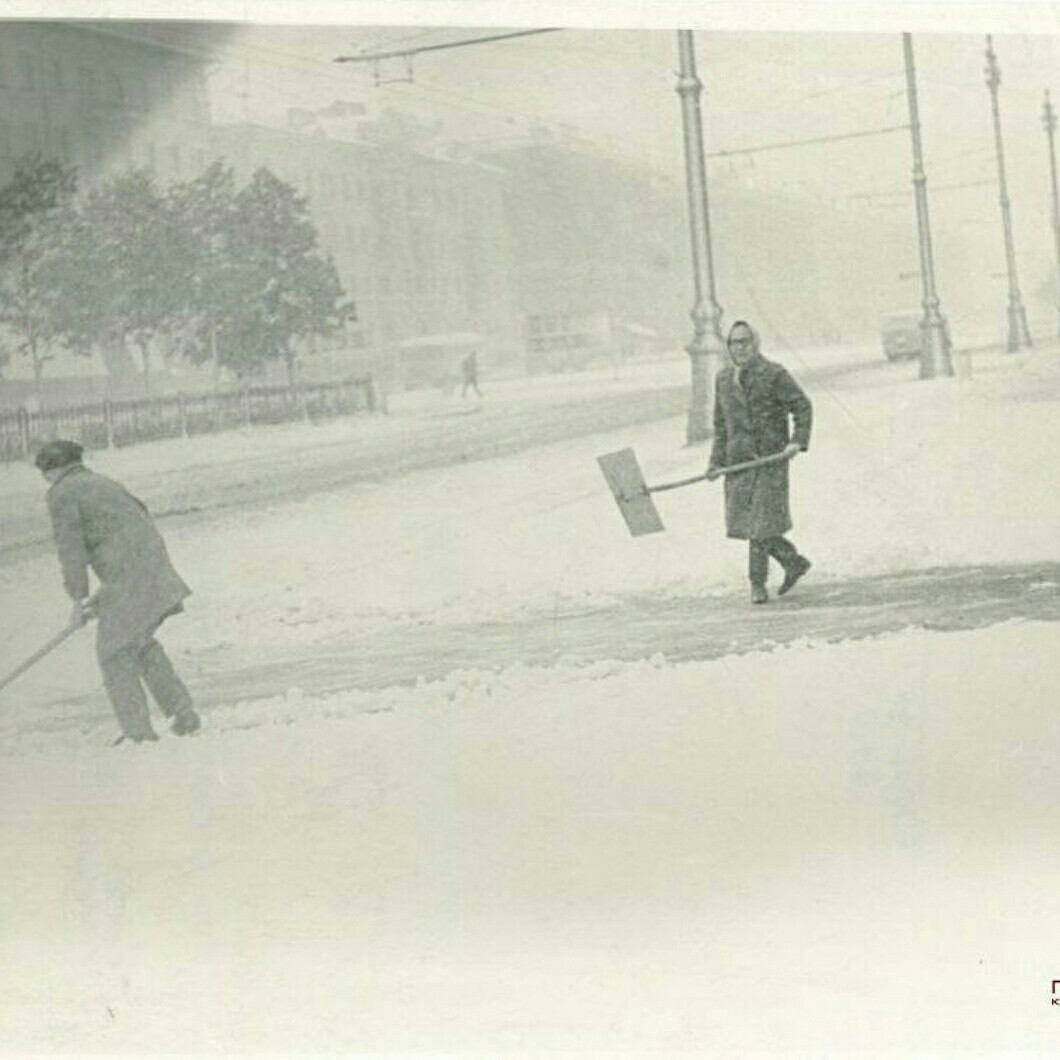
<point x="474" y="104"/>
<point x="782" y="144"/>
<point x="480" y="106"/>
<point x="444" y="46"/>
<point x="933" y="188"/>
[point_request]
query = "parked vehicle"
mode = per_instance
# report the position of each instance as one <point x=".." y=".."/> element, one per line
<point x="434" y="360"/>
<point x="900" y="336"/>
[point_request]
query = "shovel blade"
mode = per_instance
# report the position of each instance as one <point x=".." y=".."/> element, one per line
<point x="626" y="482"/>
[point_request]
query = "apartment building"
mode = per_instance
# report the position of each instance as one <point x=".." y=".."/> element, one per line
<point x="418" y="238"/>
<point x="104" y="96"/>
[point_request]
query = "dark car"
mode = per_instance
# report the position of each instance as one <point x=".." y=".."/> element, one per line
<point x="900" y="335"/>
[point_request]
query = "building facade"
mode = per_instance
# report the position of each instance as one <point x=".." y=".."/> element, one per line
<point x="598" y="245"/>
<point x="602" y="256"/>
<point x="418" y="239"/>
<point x="549" y="250"/>
<point x="103" y="97"/>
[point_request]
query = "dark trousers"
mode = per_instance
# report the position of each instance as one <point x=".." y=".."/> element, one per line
<point x="126" y="672"/>
<point x="760" y="549"/>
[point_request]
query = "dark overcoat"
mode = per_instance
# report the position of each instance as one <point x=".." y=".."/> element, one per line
<point x="758" y="416"/>
<point x="97" y="523"/>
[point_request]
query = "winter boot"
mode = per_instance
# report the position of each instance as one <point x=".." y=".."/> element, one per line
<point x="795" y="570"/>
<point x="148" y="737"/>
<point x="759" y="594"/>
<point x="185" y="722"/>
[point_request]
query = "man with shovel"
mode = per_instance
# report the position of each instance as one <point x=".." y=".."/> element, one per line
<point x="753" y="402"/>
<point x="97" y="523"/>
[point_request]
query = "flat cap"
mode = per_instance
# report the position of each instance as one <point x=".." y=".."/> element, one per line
<point x="59" y="453"/>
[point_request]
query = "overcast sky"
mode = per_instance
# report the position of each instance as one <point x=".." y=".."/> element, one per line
<point x="617" y="87"/>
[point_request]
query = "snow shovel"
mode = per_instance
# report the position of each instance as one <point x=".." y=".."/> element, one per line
<point x="633" y="494"/>
<point x="38" y="655"/>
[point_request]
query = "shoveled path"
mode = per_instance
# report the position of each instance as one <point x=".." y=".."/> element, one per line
<point x="680" y="628"/>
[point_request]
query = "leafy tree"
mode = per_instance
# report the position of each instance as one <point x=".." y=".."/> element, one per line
<point x="29" y="205"/>
<point x="204" y="209"/>
<point x="80" y="285"/>
<point x="140" y="252"/>
<point x="127" y="263"/>
<point x="281" y="288"/>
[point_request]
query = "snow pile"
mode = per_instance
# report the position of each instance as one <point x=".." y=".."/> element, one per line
<point x="816" y="850"/>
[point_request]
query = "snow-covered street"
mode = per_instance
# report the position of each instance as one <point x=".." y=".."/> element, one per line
<point x="826" y="828"/>
<point x="814" y="850"/>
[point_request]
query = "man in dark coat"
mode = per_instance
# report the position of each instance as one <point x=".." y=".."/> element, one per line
<point x="754" y="401"/>
<point x="98" y="524"/>
<point x="469" y="368"/>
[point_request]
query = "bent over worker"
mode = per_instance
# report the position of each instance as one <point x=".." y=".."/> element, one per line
<point x="98" y="524"/>
<point x="759" y="410"/>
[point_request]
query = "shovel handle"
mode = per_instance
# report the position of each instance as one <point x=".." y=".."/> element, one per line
<point x="747" y="465"/>
<point x="38" y="655"/>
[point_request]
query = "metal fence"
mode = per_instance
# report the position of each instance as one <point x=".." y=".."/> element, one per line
<point x="117" y="423"/>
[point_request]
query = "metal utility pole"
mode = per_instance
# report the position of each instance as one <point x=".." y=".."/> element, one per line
<point x="934" y="342"/>
<point x="1049" y="121"/>
<point x="707" y="345"/>
<point x="1017" y="315"/>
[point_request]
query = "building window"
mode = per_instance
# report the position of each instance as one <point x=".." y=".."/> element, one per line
<point x="27" y="71"/>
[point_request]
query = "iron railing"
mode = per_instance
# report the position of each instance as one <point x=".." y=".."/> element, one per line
<point x="109" y="424"/>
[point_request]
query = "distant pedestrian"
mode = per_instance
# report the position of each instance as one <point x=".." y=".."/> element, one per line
<point x="98" y="524"/>
<point x="469" y="368"/>
<point x="759" y="410"/>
